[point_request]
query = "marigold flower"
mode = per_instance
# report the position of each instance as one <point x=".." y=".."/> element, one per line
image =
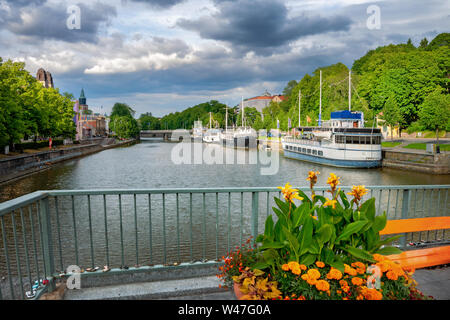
<point x="391" y="275"/>
<point x="360" y="267"/>
<point x="313" y="274"/>
<point x="334" y="274"/>
<point x="296" y="270"/>
<point x="371" y="294"/>
<point x="285" y="267"/>
<point x="379" y="257"/>
<point x="357" y="281"/>
<point x="320" y="264"/>
<point x="349" y="270"/>
<point x="322" y="285"/>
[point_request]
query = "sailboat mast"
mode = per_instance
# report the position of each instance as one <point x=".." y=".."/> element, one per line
<point x="299" y="105"/>
<point x="210" y="120"/>
<point x="242" y="118"/>
<point x="349" y="90"/>
<point x="226" y="119"/>
<point x="320" y="101"/>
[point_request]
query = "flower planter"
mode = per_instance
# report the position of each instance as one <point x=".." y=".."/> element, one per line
<point x="237" y="291"/>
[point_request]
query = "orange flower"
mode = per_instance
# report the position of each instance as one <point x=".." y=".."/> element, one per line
<point x="349" y="270"/>
<point x="322" y="285"/>
<point x="293" y="264"/>
<point x="334" y="274"/>
<point x="320" y="264"/>
<point x="371" y="294"/>
<point x="312" y="177"/>
<point x="290" y="194"/>
<point x="379" y="257"/>
<point x="329" y="203"/>
<point x="285" y="267"/>
<point x="296" y="270"/>
<point x="391" y="275"/>
<point x="333" y="181"/>
<point x="357" y="281"/>
<point x="360" y="267"/>
<point x="313" y="274"/>
<point x="302" y="266"/>
<point x="358" y="192"/>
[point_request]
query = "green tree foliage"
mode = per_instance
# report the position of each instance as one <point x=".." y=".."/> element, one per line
<point x="122" y="121"/>
<point x="391" y="113"/>
<point x="434" y="112"/>
<point x="27" y="109"/>
<point x="148" y="122"/>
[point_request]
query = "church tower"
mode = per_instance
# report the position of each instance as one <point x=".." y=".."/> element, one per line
<point x="45" y="78"/>
<point x="82" y="102"/>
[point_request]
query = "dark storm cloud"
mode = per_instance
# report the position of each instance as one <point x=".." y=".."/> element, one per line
<point x="50" y="21"/>
<point x="159" y="3"/>
<point x="262" y="26"/>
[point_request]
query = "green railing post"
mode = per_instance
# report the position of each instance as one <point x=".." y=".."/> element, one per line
<point x="405" y="213"/>
<point x="47" y="242"/>
<point x="255" y="212"/>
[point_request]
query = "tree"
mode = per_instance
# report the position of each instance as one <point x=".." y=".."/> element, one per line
<point x="434" y="112"/>
<point x="423" y="43"/>
<point x="391" y="114"/>
<point x="288" y="89"/>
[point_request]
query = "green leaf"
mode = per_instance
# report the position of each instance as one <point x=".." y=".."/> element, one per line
<point x="369" y="209"/>
<point x="293" y="242"/>
<point x="260" y="265"/>
<point x="387" y="240"/>
<point x="344" y="199"/>
<point x="337" y="264"/>
<point x="299" y="214"/>
<point x="305" y="235"/>
<point x="389" y="250"/>
<point x="350" y="229"/>
<point x="324" y="233"/>
<point x="379" y="222"/>
<point x="327" y="255"/>
<point x="308" y="259"/>
<point x="268" y="230"/>
<point x="267" y="244"/>
<point x="284" y="206"/>
<point x="314" y="247"/>
<point x="359" y="253"/>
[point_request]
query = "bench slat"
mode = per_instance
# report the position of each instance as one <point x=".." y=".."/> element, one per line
<point x="416" y="225"/>
<point x="423" y="257"/>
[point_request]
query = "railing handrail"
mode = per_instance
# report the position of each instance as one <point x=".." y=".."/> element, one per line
<point x="24" y="200"/>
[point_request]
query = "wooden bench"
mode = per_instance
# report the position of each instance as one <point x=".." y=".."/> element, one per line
<point x="420" y="258"/>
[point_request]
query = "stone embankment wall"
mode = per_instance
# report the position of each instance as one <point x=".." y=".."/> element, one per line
<point x="415" y="161"/>
<point x="18" y="166"/>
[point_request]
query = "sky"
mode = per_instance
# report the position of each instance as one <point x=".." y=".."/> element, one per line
<point x="163" y="56"/>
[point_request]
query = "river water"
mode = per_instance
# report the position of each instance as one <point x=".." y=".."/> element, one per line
<point x="149" y="165"/>
<point x="187" y="236"/>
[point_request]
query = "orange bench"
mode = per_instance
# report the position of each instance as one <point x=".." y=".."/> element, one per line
<point x="419" y="258"/>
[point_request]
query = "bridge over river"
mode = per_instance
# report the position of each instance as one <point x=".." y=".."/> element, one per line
<point x="165" y="134"/>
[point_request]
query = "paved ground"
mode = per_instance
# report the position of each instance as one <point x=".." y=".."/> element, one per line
<point x="434" y="282"/>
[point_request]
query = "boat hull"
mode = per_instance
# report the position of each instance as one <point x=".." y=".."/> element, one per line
<point x="333" y="162"/>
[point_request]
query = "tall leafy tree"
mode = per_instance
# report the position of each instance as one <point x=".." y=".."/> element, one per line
<point x="391" y="114"/>
<point x="434" y="112"/>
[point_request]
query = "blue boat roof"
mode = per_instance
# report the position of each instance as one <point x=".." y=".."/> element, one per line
<point x="345" y="114"/>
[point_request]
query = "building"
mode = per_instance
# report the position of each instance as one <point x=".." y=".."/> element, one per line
<point x="45" y="78"/>
<point x="387" y="131"/>
<point x="89" y="125"/>
<point x="261" y="102"/>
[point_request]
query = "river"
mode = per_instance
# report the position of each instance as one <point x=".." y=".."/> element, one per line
<point x="149" y="165"/>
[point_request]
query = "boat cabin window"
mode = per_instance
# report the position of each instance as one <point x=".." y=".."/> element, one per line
<point x="304" y="150"/>
<point x="358" y="139"/>
<point x="320" y="153"/>
<point x="309" y="151"/>
<point x="314" y="152"/>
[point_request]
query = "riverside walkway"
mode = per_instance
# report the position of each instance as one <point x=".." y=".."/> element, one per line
<point x="165" y="243"/>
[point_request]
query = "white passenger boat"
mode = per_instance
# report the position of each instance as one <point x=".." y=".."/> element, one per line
<point x="341" y="142"/>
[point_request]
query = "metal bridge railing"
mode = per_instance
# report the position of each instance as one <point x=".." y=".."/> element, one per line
<point x="44" y="232"/>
